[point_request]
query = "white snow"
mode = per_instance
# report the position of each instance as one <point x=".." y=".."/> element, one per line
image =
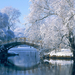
<point x="62" y="52"/>
<point x="19" y="32"/>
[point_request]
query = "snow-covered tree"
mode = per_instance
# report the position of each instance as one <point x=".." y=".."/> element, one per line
<point x="4" y="23"/>
<point x="3" y="20"/>
<point x="9" y="34"/>
<point x="13" y="15"/>
<point x="9" y="16"/>
<point x="19" y="32"/>
<point x="2" y="35"/>
<point x="55" y="19"/>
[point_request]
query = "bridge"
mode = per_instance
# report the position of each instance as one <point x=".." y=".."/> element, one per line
<point x="6" y="45"/>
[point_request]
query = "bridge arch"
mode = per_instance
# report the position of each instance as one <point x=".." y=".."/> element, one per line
<point x="11" y="45"/>
<point x="15" y="42"/>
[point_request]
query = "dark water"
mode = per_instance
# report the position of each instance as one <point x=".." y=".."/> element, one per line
<point x="28" y="63"/>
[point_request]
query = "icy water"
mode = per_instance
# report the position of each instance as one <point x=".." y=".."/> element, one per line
<point x="28" y="63"/>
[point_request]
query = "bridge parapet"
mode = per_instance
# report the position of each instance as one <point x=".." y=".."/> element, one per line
<point x="22" y="40"/>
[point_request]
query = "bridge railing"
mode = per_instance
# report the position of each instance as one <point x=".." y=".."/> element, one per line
<point x="22" y="39"/>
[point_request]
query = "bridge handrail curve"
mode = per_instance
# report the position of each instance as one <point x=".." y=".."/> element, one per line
<point x="20" y="39"/>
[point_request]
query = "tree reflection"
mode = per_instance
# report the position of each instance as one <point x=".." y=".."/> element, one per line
<point x="54" y="67"/>
<point x="73" y="70"/>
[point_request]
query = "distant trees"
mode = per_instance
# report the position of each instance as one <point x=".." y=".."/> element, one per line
<point x="19" y="32"/>
<point x="13" y="15"/>
<point x="3" y="20"/>
<point x="53" y="21"/>
<point x="3" y="24"/>
<point x="9" y="16"/>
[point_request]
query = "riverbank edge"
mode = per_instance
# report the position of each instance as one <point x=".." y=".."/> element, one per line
<point x="57" y="57"/>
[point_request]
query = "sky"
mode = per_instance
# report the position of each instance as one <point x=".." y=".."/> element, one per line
<point x="21" y="5"/>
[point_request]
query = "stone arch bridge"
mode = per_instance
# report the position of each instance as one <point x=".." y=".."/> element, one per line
<point x="6" y="45"/>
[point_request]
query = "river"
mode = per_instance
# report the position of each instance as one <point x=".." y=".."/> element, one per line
<point x="27" y="62"/>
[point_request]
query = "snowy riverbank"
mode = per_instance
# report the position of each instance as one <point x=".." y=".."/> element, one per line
<point x="63" y="53"/>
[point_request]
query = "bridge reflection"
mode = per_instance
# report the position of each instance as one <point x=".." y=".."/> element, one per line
<point x="40" y="69"/>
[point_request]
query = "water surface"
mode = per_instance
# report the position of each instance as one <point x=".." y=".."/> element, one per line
<point x="28" y="63"/>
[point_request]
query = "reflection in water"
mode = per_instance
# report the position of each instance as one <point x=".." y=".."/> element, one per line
<point x="60" y="67"/>
<point x="27" y="64"/>
<point x="73" y="70"/>
<point x="59" y="62"/>
<point x="28" y="57"/>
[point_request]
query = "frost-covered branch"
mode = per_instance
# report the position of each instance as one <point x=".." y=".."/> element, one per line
<point x="53" y="22"/>
<point x="13" y="15"/>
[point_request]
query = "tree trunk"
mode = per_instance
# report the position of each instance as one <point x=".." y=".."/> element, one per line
<point x="73" y="69"/>
<point x="74" y="54"/>
<point x="72" y="42"/>
<point x="73" y="50"/>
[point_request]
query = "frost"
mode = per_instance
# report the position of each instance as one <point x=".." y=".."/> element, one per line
<point x="3" y="20"/>
<point x="19" y="32"/>
<point x="8" y="18"/>
<point x="13" y="15"/>
<point x="62" y="52"/>
<point x="51" y="22"/>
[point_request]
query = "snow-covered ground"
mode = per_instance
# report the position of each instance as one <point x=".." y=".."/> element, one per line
<point x="62" y="52"/>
